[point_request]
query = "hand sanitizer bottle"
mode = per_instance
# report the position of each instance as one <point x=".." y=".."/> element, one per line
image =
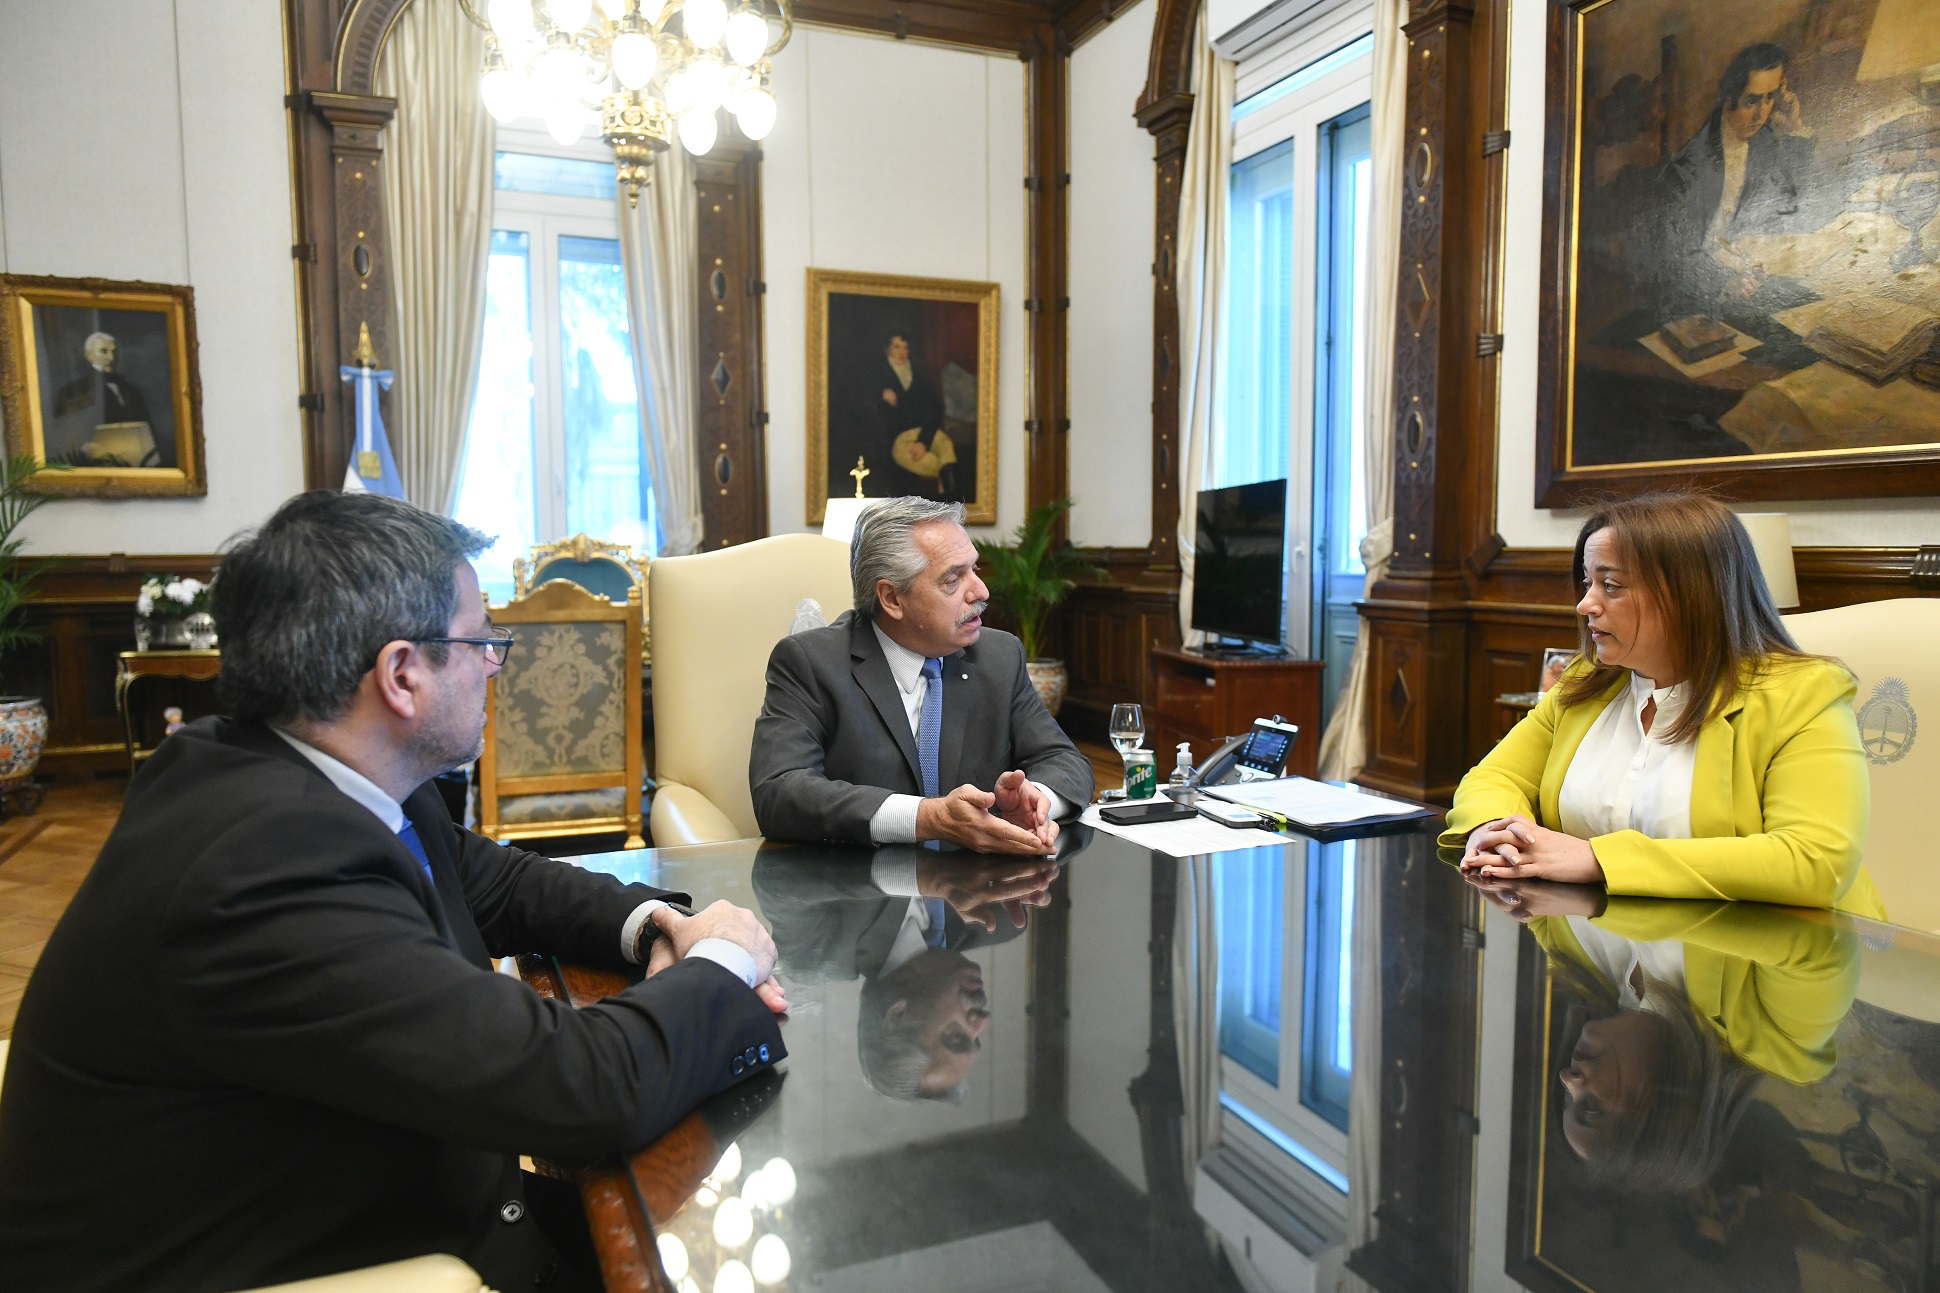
<point x="1182" y="771"/>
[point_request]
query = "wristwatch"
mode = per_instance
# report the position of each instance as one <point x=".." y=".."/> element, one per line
<point x="643" y="941"/>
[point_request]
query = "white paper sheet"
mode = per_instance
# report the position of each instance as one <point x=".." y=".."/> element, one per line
<point x="1311" y="803"/>
<point x="1191" y="837"/>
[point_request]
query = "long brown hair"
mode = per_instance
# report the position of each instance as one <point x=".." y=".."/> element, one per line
<point x="1693" y="559"/>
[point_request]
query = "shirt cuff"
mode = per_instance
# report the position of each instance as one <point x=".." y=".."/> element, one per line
<point x="1058" y="807"/>
<point x="630" y="931"/>
<point x="730" y="956"/>
<point x="895" y="874"/>
<point x="895" y="821"/>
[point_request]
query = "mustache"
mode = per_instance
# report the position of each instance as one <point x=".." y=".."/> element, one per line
<point x="973" y="613"/>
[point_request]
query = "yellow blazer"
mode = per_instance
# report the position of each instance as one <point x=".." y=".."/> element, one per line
<point x="1779" y="794"/>
<point x="1775" y="986"/>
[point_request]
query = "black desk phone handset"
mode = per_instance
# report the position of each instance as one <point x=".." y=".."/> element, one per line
<point x="1253" y="756"/>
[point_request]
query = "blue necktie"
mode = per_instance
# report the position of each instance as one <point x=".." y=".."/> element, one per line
<point x="929" y="727"/>
<point x="409" y="835"/>
<point x="933" y="907"/>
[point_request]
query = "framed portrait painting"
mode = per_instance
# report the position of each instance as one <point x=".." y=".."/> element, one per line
<point x="902" y="390"/>
<point x="1741" y="284"/>
<point x="99" y="378"/>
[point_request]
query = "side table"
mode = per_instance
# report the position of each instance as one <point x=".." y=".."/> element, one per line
<point x="1206" y="698"/>
<point x="196" y="666"/>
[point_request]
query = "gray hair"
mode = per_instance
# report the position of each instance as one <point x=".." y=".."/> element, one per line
<point x="893" y="1057"/>
<point x="884" y="546"/>
<point x="94" y="337"/>
<point x="305" y="602"/>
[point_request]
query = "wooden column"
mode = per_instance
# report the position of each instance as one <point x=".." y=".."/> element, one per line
<point x="1444" y="399"/>
<point x="342" y="251"/>
<point x="730" y="406"/>
<point x="1047" y="426"/>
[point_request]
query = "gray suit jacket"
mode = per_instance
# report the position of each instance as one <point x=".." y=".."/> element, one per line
<point x="833" y="739"/>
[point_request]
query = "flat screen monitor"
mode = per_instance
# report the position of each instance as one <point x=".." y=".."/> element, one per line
<point x="1238" y="579"/>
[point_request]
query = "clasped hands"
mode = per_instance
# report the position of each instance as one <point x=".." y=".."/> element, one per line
<point x="1516" y="848"/>
<point x="1016" y="818"/>
<point x="977" y="889"/>
<point x="723" y="919"/>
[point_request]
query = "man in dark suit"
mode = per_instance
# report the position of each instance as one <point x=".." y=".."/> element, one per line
<point x="117" y="398"/>
<point x="867" y="721"/>
<point x="902" y="920"/>
<point x="265" y="1042"/>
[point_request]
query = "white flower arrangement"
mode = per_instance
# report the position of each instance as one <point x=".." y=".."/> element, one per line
<point x="169" y="597"/>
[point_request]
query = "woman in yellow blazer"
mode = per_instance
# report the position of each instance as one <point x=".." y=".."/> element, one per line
<point x="1674" y="605"/>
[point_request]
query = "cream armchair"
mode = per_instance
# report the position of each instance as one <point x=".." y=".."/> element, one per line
<point x="1889" y="646"/>
<point x="716" y="617"/>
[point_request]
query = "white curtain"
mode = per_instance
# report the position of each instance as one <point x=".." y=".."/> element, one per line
<point x="437" y="179"/>
<point x="1201" y="288"/>
<point x="1195" y="1009"/>
<point x="660" y="248"/>
<point x="1343" y="749"/>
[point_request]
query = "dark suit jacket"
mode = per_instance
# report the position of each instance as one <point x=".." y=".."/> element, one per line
<point x="1780" y="196"/>
<point x="261" y="1046"/>
<point x="832" y="923"/>
<point x="833" y="739"/>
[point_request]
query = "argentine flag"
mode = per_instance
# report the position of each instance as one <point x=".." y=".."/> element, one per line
<point x="372" y="448"/>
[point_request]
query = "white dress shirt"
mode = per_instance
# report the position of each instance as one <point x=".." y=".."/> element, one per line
<point x="896" y="876"/>
<point x="1625" y="779"/>
<point x="730" y="956"/>
<point x="1619" y="960"/>
<point x="895" y="821"/>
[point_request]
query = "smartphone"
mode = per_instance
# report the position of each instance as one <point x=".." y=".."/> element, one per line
<point x="1146" y="813"/>
<point x="1230" y="814"/>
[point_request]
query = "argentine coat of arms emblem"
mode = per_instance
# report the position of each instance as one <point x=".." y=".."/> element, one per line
<point x="1887" y="723"/>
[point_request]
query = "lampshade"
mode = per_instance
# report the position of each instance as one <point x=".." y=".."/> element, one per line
<point x="1771" y="539"/>
<point x="839" y="521"/>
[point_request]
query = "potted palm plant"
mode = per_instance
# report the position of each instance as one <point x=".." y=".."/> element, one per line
<point x="1027" y="578"/>
<point x="23" y="719"/>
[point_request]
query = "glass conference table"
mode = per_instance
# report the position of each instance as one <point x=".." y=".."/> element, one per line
<point x="1070" y="1091"/>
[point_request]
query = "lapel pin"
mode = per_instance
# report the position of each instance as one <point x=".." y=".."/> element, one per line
<point x="966" y="677"/>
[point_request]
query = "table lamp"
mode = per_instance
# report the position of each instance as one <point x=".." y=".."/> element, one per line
<point x="839" y="521"/>
<point x="1771" y="539"/>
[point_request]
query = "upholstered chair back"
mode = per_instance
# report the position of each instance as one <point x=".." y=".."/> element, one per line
<point x="717" y="616"/>
<point x="604" y="569"/>
<point x="563" y="749"/>
<point x="1889" y="646"/>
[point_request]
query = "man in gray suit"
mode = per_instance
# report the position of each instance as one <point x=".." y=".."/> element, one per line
<point x="867" y="721"/>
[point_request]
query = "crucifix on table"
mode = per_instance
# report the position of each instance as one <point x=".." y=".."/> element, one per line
<point x="861" y="473"/>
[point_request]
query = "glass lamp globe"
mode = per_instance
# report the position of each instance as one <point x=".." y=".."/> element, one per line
<point x="769" y="1260"/>
<point x="733" y="1223"/>
<point x="511" y="19"/>
<point x="754" y="112"/>
<point x="747" y="36"/>
<point x="673" y="1256"/>
<point x="707" y="82"/>
<point x="505" y="93"/>
<point x="778" y="1176"/>
<point x="733" y="1277"/>
<point x="570" y="15"/>
<point x="705" y="22"/>
<point x="565" y="122"/>
<point x="635" y="58"/>
<point x="728" y="1170"/>
<point x="698" y="130"/>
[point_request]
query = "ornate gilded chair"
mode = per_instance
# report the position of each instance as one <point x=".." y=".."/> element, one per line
<point x="604" y="569"/>
<point x="562" y="721"/>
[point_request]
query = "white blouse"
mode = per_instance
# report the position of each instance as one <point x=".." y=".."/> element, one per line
<point x="1623" y="778"/>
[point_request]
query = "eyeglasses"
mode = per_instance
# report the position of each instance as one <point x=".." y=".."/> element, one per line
<point x="497" y="647"/>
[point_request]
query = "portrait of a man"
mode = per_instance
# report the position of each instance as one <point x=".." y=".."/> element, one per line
<point x="1747" y="213"/>
<point x="98" y="370"/>
<point x="902" y="388"/>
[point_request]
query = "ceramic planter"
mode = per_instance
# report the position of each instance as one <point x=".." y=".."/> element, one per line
<point x="1050" y="679"/>
<point x="23" y="730"/>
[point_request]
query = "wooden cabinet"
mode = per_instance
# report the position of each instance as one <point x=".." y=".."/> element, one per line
<point x="1204" y="700"/>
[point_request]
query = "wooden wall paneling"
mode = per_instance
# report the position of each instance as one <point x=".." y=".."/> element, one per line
<point x="730" y="417"/>
<point x="1007" y="26"/>
<point x="1047" y="474"/>
<point x="336" y="123"/>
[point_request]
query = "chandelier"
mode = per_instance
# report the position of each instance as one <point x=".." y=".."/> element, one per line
<point x="562" y="60"/>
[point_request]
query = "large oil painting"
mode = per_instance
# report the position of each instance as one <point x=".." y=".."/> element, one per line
<point x="1741" y="288"/>
<point x="99" y="379"/>
<point x="902" y="390"/>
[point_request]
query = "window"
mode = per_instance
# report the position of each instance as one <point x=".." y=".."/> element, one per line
<point x="555" y="446"/>
<point x="1291" y="403"/>
<point x="1286" y="1041"/>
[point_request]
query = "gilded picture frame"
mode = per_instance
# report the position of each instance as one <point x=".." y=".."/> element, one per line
<point x="901" y="373"/>
<point x="100" y="378"/>
<point x="1741" y="251"/>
